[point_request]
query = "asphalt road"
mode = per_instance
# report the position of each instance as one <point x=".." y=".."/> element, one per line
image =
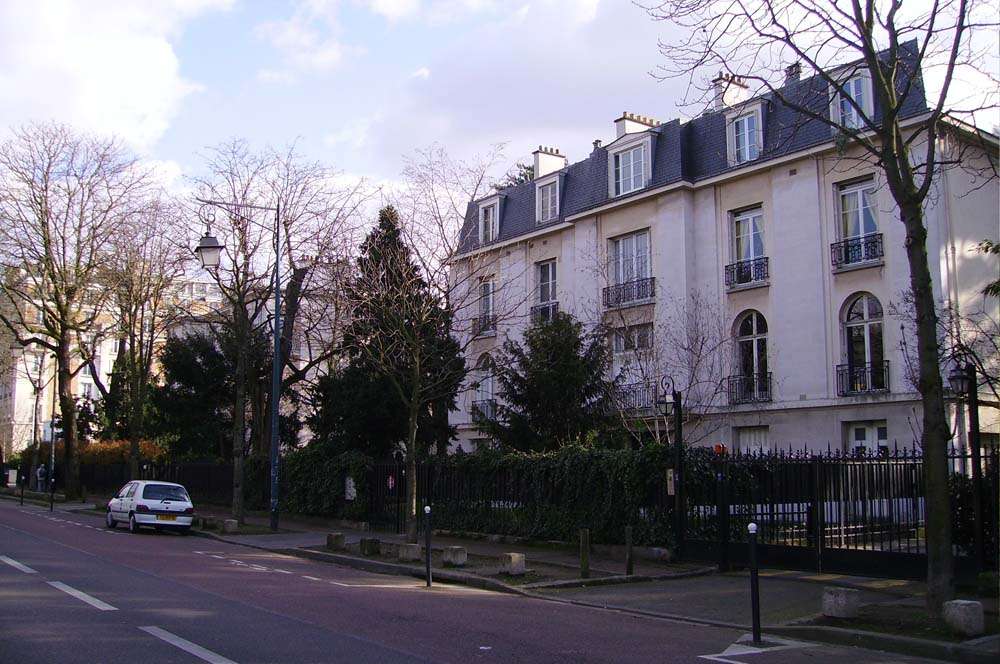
<point x="73" y="591"/>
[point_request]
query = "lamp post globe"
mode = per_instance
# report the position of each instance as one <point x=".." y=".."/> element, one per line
<point x="958" y="379"/>
<point x="209" y="251"/>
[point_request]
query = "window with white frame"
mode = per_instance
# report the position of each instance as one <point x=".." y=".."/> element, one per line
<point x="630" y="170"/>
<point x="547" y="282"/>
<point x="868" y="437"/>
<point x="746" y="143"/>
<point x="548" y="202"/>
<point x="857" y="210"/>
<point x="748" y="235"/>
<point x="629" y="257"/>
<point x="487" y="319"/>
<point x="752" y="439"/>
<point x="632" y="338"/>
<point x="488" y="223"/>
<point x="857" y="94"/>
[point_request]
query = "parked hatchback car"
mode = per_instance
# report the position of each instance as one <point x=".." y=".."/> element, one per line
<point x="144" y="503"/>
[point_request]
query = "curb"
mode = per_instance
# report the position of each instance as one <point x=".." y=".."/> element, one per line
<point x="616" y="580"/>
<point x="905" y="645"/>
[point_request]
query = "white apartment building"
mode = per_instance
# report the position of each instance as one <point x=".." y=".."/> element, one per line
<point x="748" y="214"/>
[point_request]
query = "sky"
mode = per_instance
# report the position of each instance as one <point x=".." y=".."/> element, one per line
<point x="358" y="84"/>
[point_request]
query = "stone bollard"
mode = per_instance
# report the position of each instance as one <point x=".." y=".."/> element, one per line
<point x="454" y="556"/>
<point x="230" y="526"/>
<point x="335" y="541"/>
<point x="964" y="617"/>
<point x="408" y="552"/>
<point x="840" y="602"/>
<point x="369" y="546"/>
<point x="512" y="563"/>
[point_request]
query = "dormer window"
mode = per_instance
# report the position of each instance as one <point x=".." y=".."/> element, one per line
<point x="547" y="196"/>
<point x="744" y="134"/>
<point x="857" y="94"/>
<point x="630" y="170"/>
<point x="489" y="226"/>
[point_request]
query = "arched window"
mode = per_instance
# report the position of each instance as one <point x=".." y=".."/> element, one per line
<point x="866" y="369"/>
<point x="484" y="405"/>
<point x="752" y="381"/>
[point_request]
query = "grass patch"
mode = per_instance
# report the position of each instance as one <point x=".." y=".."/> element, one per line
<point x="902" y="620"/>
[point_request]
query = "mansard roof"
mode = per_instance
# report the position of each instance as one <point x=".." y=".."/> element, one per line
<point x="690" y="152"/>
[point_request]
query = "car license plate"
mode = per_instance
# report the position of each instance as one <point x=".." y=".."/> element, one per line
<point x="166" y="517"/>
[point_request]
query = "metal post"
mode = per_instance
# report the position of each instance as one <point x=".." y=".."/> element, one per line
<point x="276" y="362"/>
<point x="584" y="553"/>
<point x="679" y="515"/>
<point x="52" y="490"/>
<point x="24" y="480"/>
<point x="427" y="539"/>
<point x="977" y="468"/>
<point x="629" y="561"/>
<point x="754" y="583"/>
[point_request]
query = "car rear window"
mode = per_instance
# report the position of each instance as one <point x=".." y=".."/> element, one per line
<point x="164" y="492"/>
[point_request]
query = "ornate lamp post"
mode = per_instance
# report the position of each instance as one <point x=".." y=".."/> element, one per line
<point x="209" y="252"/>
<point x="964" y="381"/>
<point x="667" y="387"/>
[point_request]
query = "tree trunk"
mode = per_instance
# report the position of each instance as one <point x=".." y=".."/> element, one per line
<point x="67" y="409"/>
<point x="239" y="428"/>
<point x="935" y="435"/>
<point x="411" y="471"/>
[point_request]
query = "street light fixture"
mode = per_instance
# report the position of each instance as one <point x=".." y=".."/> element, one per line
<point x="209" y="251"/>
<point x="964" y="382"/>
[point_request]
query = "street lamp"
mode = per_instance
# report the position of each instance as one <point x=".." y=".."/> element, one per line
<point x="963" y="381"/>
<point x="667" y="386"/>
<point x="209" y="252"/>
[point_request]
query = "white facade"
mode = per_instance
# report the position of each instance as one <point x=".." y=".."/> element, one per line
<point x="774" y="228"/>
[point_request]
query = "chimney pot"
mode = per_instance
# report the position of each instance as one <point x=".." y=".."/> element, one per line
<point x="793" y="72"/>
<point x="597" y="143"/>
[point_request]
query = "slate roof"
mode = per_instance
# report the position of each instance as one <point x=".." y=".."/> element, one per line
<point x="691" y="151"/>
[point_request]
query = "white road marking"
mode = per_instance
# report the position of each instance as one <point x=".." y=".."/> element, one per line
<point x="18" y="566"/>
<point x="186" y="646"/>
<point x="82" y="596"/>
<point x="744" y="646"/>
<point x="282" y="571"/>
<point x="219" y="557"/>
<point x="311" y="578"/>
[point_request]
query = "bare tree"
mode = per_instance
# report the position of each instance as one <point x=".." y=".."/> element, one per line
<point x="885" y="42"/>
<point x="63" y="197"/>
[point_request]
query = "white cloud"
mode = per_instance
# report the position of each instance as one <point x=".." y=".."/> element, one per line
<point x="394" y="10"/>
<point x="107" y="67"/>
<point x="308" y="40"/>
<point x="422" y="73"/>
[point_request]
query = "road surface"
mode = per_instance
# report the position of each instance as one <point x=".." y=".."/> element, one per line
<point x="73" y="591"/>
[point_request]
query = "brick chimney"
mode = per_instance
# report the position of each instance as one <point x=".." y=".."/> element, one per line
<point x="631" y="123"/>
<point x="548" y="160"/>
<point x="728" y="89"/>
<point x="793" y="72"/>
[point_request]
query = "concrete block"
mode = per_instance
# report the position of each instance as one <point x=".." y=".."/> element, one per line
<point x="230" y="526"/>
<point x="964" y="617"/>
<point x="335" y="541"/>
<point x="408" y="552"/>
<point x="455" y="556"/>
<point x="512" y="563"/>
<point x="840" y="602"/>
<point x="370" y="546"/>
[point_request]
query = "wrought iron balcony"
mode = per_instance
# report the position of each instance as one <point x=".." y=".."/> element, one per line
<point x="484" y="325"/>
<point x="630" y="292"/>
<point x="750" y="389"/>
<point x="636" y="398"/>
<point x="868" y="378"/>
<point x="856" y="250"/>
<point x="484" y="410"/>
<point x="747" y="272"/>
<point x="543" y="313"/>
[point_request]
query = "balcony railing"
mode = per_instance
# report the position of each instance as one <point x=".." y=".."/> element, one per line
<point x="867" y="378"/>
<point x="747" y="272"/>
<point x="750" y="389"/>
<point x="630" y="292"/>
<point x="484" y="410"/>
<point x="857" y="250"/>
<point x="484" y="325"/>
<point x="543" y="313"/>
<point x="636" y="398"/>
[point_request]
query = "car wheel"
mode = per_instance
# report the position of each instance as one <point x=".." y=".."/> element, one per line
<point x="133" y="527"/>
<point x="110" y="521"/>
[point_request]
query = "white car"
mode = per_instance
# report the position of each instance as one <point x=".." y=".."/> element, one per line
<point x="159" y="505"/>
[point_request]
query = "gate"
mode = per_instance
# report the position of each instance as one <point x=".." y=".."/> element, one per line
<point x="387" y="497"/>
<point x="861" y="514"/>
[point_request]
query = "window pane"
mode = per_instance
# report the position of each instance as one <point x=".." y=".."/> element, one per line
<point x="761" y="356"/>
<point x="849" y="213"/>
<point x="875" y="342"/>
<point x="618" y="174"/>
<point x="641" y="255"/>
<point x="857" y="355"/>
<point x="868" y="212"/>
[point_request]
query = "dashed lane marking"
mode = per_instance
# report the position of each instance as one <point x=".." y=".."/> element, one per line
<point x="18" y="566"/>
<point x="82" y="596"/>
<point x="311" y="578"/>
<point x="187" y="646"/>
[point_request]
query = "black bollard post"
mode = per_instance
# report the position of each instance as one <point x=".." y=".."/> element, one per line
<point x="754" y="583"/>
<point x="23" y="482"/>
<point x="427" y="537"/>
<point x="629" y="560"/>
<point x="52" y="492"/>
<point x="584" y="553"/>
